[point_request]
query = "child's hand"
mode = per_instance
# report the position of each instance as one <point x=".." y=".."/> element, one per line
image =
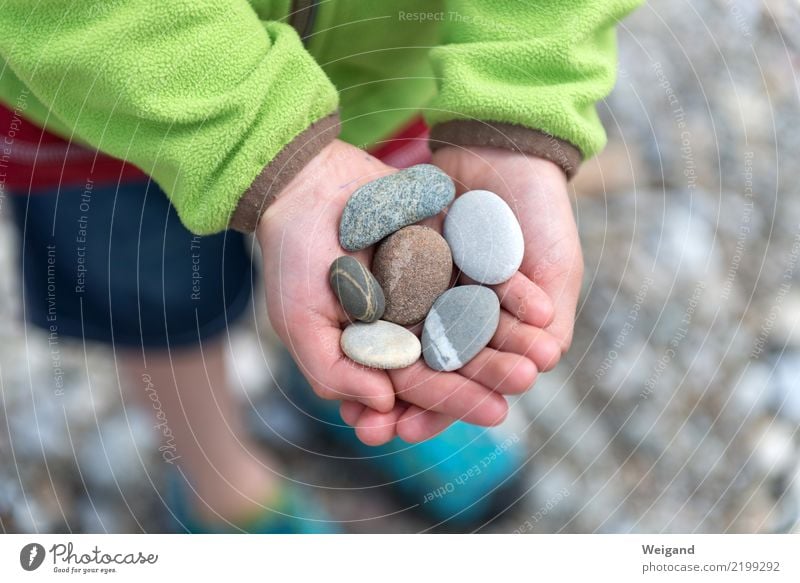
<point x="298" y="234"/>
<point x="538" y="302"/>
<point x="299" y="239"/>
<point x="536" y="190"/>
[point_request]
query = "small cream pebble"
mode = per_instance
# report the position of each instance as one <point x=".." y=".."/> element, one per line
<point x="381" y="345"/>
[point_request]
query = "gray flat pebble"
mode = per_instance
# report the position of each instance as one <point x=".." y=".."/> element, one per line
<point x="484" y="236"/>
<point x="358" y="291"/>
<point x="460" y="324"/>
<point x="383" y="206"/>
<point x="380" y="345"/>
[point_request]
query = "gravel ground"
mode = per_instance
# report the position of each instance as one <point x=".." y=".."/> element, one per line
<point x="678" y="408"/>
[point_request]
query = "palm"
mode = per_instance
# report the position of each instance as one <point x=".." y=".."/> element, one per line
<point x="300" y="243"/>
<point x="299" y="239"/>
<point x="536" y="191"/>
<point x="538" y="302"/>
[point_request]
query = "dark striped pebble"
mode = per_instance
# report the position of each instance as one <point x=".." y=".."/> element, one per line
<point x="357" y="289"/>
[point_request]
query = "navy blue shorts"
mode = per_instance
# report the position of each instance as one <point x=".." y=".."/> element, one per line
<point x="115" y="264"/>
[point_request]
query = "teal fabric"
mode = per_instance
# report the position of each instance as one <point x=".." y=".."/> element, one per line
<point x="460" y="479"/>
<point x="295" y="513"/>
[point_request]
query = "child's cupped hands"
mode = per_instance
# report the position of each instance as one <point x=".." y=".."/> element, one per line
<point x="299" y="238"/>
<point x="538" y="302"/>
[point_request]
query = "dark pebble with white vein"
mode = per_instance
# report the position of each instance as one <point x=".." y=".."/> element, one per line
<point x="383" y="206"/>
<point x="460" y="324"/>
<point x="357" y="289"/>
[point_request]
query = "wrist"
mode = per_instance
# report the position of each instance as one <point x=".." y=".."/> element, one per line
<point x="284" y="167"/>
<point x="324" y="183"/>
<point x="306" y="185"/>
<point x="493" y="168"/>
<point x="470" y="133"/>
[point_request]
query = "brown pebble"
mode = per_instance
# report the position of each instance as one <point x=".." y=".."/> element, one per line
<point x="413" y="267"/>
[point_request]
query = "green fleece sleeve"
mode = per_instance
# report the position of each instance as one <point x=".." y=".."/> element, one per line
<point x="509" y="66"/>
<point x="199" y="94"/>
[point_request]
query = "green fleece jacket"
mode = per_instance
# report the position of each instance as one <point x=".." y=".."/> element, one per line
<point x="222" y="102"/>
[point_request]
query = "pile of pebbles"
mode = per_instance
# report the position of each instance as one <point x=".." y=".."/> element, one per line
<point x="411" y="275"/>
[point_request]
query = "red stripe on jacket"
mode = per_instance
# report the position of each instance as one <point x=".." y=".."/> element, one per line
<point x="33" y="160"/>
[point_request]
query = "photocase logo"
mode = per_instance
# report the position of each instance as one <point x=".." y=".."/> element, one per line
<point x="31" y="556"/>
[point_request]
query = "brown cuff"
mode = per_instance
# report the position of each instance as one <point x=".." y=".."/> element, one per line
<point x="471" y="133"/>
<point x="280" y="171"/>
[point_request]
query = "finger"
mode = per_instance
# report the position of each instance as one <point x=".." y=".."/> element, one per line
<point x="449" y="393"/>
<point x="525" y="300"/>
<point x="563" y="324"/>
<point x="563" y="285"/>
<point x="331" y="374"/>
<point x="526" y="340"/>
<point x="350" y="411"/>
<point x="417" y="424"/>
<point x="374" y="428"/>
<point x="505" y="372"/>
